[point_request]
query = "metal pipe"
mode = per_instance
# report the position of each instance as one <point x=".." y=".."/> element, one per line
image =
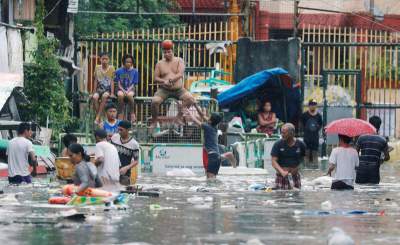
<point x="350" y="44"/>
<point x="187" y="41"/>
<point x="31" y="29"/>
<point x="160" y="13"/>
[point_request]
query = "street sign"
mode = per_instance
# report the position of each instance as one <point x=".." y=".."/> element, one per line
<point x="73" y="6"/>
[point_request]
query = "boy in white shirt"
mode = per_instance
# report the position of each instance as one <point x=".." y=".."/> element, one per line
<point x="344" y="160"/>
<point x="106" y="159"/>
<point x="18" y="151"/>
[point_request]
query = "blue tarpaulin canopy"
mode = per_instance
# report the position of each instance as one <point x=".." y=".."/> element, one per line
<point x="274" y="85"/>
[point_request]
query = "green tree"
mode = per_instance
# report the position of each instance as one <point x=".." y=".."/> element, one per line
<point x="101" y="23"/>
<point x="44" y="85"/>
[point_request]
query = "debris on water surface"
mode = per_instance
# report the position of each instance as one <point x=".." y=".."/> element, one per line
<point x="157" y="207"/>
<point x="72" y="214"/>
<point x="338" y="237"/>
<point x="256" y="187"/>
<point x="322" y="181"/>
<point x="198" y="189"/>
<point x="199" y="200"/>
<point x="254" y="241"/>
<point x="228" y="206"/>
<point x="327" y="205"/>
<point x="9" y="199"/>
<point x="269" y="189"/>
<point x="269" y="203"/>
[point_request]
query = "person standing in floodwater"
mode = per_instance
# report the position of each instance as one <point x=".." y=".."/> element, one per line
<point x="373" y="150"/>
<point x="344" y="160"/>
<point x="311" y="122"/>
<point x="287" y="154"/>
<point x="106" y="159"/>
<point x="18" y="151"/>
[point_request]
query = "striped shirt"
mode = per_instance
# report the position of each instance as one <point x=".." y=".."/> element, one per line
<point x="372" y="149"/>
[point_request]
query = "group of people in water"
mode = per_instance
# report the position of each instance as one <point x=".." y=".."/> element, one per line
<point x="116" y="153"/>
<point x="354" y="160"/>
<point x="113" y="161"/>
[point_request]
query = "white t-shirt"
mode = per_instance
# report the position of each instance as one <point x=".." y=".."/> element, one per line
<point x="18" y="152"/>
<point x="110" y="168"/>
<point x="346" y="161"/>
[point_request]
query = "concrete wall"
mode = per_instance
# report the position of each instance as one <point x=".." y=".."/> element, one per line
<point x="255" y="56"/>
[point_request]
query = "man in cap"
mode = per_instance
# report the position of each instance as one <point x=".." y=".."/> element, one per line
<point x="311" y="121"/>
<point x="168" y="74"/>
<point x="128" y="151"/>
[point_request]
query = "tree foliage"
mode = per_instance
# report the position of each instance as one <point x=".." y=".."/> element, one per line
<point x="44" y="84"/>
<point x="101" y="23"/>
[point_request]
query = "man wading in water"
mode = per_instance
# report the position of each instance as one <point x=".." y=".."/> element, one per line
<point x="287" y="154"/>
<point x="169" y="75"/>
<point x="373" y="150"/>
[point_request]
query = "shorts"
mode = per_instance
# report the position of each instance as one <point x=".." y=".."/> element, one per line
<point x="214" y="162"/>
<point x="18" y="179"/>
<point x="102" y="91"/>
<point x="368" y="175"/>
<point x="165" y="93"/>
<point x="340" y="185"/>
<point x="282" y="183"/>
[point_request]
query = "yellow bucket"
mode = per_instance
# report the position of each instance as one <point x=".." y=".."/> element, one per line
<point x="65" y="169"/>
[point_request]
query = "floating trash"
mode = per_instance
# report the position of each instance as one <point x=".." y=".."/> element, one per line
<point x="327" y="205"/>
<point x="338" y="237"/>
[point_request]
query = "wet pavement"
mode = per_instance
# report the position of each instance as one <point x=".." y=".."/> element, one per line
<point x="192" y="211"/>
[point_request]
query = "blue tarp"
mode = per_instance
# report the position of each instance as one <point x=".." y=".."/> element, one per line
<point x="273" y="85"/>
<point x="249" y="85"/>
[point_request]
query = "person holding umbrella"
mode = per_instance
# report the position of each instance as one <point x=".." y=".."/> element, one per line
<point x="373" y="150"/>
<point x="344" y="160"/>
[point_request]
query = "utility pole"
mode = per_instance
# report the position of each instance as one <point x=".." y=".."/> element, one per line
<point x="296" y="17"/>
<point x="247" y="11"/>
<point x="371" y="7"/>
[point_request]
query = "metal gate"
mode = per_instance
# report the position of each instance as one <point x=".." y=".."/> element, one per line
<point x="375" y="54"/>
<point x="144" y="46"/>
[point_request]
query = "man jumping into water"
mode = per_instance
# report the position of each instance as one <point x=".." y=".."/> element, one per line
<point x="168" y="74"/>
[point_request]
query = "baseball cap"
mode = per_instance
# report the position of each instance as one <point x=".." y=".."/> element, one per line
<point x="312" y="102"/>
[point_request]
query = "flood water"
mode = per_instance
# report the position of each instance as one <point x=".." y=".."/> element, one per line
<point x="228" y="213"/>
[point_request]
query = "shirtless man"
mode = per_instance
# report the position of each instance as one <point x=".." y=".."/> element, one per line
<point x="169" y="75"/>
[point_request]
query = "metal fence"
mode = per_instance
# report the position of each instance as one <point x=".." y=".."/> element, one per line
<point x="375" y="54"/>
<point x="190" y="44"/>
<point x="170" y="129"/>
